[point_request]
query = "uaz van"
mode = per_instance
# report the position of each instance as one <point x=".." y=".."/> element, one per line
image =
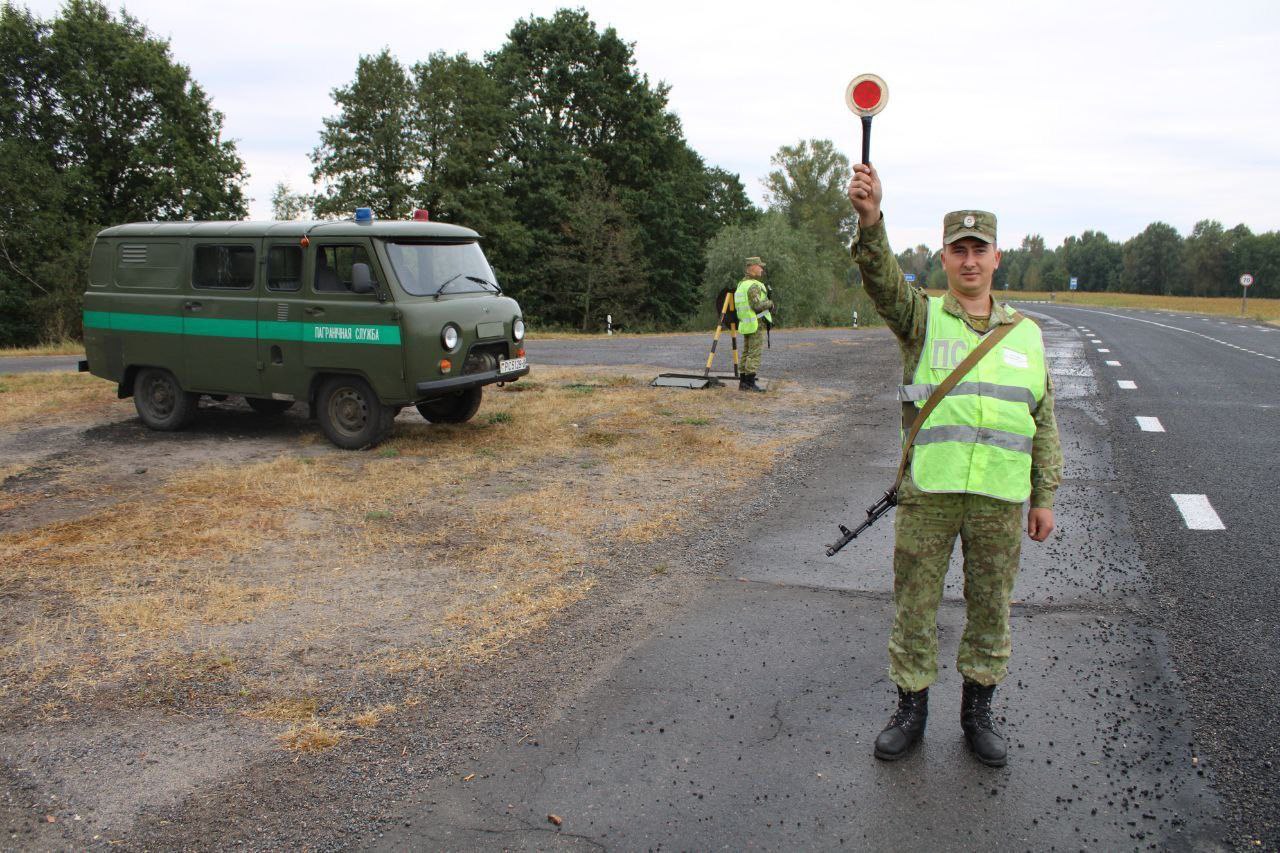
<point x="357" y="318"/>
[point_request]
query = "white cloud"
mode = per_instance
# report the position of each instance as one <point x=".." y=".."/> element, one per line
<point x="1059" y="117"/>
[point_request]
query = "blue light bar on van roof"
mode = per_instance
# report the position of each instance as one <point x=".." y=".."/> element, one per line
<point x="364" y="214"/>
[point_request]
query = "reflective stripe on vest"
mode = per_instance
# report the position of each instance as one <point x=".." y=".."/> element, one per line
<point x="748" y="320"/>
<point x="1012" y="393"/>
<point x="978" y="439"/>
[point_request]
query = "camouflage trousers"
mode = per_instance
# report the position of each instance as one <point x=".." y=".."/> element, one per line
<point x="925" y="532"/>
<point x="752" y="349"/>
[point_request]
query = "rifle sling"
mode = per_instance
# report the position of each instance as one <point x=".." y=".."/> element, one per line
<point x="962" y="369"/>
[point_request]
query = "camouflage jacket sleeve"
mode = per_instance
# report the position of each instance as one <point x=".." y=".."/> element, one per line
<point x="755" y="294"/>
<point x="1046" y="452"/>
<point x="905" y="310"/>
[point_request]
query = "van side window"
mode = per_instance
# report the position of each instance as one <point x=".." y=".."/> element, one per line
<point x="284" y="268"/>
<point x="223" y="267"/>
<point x="333" y="267"/>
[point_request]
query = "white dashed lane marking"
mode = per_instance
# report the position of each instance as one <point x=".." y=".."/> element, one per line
<point x="1100" y="349"/>
<point x="1198" y="513"/>
<point x="1147" y="424"/>
<point x="1177" y="329"/>
<point x="1094" y="341"/>
<point x="1127" y="384"/>
<point x="1113" y="364"/>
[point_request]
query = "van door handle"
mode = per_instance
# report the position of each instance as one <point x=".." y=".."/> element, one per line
<point x="192" y="305"/>
<point x="313" y="311"/>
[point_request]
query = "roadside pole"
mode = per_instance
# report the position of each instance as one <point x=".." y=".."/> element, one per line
<point x="1245" y="281"/>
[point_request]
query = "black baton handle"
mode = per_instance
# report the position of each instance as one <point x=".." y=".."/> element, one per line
<point x="866" y="140"/>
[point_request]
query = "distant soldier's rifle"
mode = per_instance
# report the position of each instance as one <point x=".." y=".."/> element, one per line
<point x="890" y="499"/>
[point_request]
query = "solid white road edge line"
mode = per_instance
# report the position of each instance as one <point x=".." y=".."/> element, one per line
<point x="1198" y="513"/>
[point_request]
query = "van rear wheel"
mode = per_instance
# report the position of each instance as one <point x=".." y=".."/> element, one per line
<point x="457" y="408"/>
<point x="350" y="413"/>
<point x="160" y="400"/>
<point x="263" y="406"/>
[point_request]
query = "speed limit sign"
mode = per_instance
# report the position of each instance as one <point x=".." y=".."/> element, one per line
<point x="1246" y="280"/>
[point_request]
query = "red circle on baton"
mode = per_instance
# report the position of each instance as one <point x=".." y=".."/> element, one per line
<point x="867" y="94"/>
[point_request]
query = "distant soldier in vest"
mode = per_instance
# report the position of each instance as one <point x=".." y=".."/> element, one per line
<point x="752" y="304"/>
<point x="989" y="446"/>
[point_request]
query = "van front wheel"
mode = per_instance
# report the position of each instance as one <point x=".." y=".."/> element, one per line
<point x="350" y="413"/>
<point x="160" y="400"/>
<point x="457" y="408"/>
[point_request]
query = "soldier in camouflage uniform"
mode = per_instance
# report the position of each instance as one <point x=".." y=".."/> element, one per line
<point x="753" y="306"/>
<point x="929" y="519"/>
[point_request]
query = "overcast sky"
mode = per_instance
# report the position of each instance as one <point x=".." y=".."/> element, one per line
<point x="1059" y="117"/>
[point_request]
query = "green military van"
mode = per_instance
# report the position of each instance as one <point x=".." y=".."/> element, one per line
<point x="356" y="318"/>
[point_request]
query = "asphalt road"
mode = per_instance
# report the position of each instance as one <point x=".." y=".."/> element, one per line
<point x="39" y="363"/>
<point x="748" y="721"/>
<point x="1207" y="391"/>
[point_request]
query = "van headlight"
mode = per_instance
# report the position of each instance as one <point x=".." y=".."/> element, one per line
<point x="450" y="337"/>
<point x="517" y="330"/>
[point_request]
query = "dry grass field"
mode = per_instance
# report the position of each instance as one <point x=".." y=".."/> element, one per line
<point x="1266" y="310"/>
<point x="63" y="347"/>
<point x="284" y="582"/>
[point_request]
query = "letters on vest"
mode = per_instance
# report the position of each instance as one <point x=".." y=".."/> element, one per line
<point x="978" y="439"/>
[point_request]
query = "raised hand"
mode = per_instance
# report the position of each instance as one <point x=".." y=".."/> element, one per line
<point x="865" y="193"/>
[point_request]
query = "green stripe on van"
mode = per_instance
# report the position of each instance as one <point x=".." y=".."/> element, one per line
<point x="272" y="330"/>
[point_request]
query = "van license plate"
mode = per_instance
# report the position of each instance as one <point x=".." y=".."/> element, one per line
<point x="509" y="365"/>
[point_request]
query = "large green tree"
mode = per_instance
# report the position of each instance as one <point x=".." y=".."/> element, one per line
<point x="809" y="186"/>
<point x="577" y="99"/>
<point x="98" y="125"/>
<point x="1094" y="260"/>
<point x="798" y="273"/>
<point x="368" y="155"/>
<point x="597" y="266"/>
<point x="1206" y="258"/>
<point x="1153" y="261"/>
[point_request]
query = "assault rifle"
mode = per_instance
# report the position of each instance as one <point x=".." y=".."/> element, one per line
<point x="877" y="509"/>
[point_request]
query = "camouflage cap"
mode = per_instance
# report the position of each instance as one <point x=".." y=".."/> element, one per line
<point x="754" y="261"/>
<point x="969" y="223"/>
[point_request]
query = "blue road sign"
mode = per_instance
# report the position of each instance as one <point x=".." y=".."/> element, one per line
<point x="1074" y="282"/>
<point x="910" y="276"/>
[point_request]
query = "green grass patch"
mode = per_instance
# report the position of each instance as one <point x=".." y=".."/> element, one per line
<point x="499" y="417"/>
<point x="696" y="421"/>
<point x="377" y="515"/>
<point x="388" y="453"/>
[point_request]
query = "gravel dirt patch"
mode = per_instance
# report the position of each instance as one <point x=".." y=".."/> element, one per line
<point x="253" y="638"/>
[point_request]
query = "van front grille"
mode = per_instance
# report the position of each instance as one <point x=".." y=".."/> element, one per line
<point x="484" y="358"/>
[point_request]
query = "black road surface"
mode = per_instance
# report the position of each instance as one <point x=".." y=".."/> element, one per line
<point x="1140" y="705"/>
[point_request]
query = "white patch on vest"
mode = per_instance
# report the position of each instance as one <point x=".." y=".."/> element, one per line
<point x="1013" y="358"/>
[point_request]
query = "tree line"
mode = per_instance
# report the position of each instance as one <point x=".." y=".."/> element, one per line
<point x="98" y="126"/>
<point x="1207" y="262"/>
<point x="555" y="147"/>
<point x="558" y="150"/>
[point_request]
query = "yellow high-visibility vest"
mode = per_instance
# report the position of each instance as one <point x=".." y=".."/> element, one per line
<point x="748" y="320"/>
<point x="978" y="439"/>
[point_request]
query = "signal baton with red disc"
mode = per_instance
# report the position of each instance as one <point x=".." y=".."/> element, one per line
<point x="866" y="95"/>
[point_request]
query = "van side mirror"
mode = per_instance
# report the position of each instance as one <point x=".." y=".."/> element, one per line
<point x="361" y="279"/>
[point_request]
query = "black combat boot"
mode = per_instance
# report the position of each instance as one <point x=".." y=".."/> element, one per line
<point x="906" y="726"/>
<point x="747" y="382"/>
<point x="979" y="730"/>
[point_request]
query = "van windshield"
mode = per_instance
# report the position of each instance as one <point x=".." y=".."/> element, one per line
<point x="433" y="269"/>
